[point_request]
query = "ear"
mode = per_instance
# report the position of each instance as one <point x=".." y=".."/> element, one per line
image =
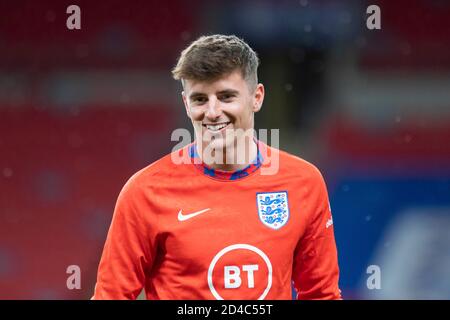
<point x="183" y="95"/>
<point x="258" y="97"/>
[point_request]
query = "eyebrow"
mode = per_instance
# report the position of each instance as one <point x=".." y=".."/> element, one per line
<point x="194" y="94"/>
<point x="229" y="91"/>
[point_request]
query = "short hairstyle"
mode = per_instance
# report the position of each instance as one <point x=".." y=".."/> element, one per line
<point x="211" y="57"/>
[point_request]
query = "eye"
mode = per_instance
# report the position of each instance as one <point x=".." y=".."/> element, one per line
<point x="227" y="97"/>
<point x="199" y="100"/>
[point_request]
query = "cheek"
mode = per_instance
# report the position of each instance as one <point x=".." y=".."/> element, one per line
<point x="197" y="119"/>
<point x="240" y="110"/>
<point x="196" y="114"/>
<point x="244" y="113"/>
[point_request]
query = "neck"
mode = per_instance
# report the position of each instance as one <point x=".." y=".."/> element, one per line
<point x="233" y="158"/>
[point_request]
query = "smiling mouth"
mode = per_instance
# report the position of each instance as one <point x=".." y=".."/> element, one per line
<point x="216" y="127"/>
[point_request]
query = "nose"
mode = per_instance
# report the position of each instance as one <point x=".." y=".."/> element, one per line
<point x="213" y="111"/>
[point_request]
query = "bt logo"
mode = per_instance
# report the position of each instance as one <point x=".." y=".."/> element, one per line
<point x="232" y="276"/>
<point x="251" y="278"/>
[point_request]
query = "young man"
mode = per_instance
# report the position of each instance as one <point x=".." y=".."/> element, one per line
<point x="214" y="227"/>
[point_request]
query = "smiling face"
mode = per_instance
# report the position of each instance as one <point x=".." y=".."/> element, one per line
<point x="222" y="111"/>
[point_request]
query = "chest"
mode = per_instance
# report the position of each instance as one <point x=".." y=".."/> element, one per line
<point x="229" y="222"/>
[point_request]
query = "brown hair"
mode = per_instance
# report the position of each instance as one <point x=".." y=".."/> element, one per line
<point x="210" y="57"/>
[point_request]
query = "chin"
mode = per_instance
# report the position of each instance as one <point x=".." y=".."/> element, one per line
<point x="217" y="144"/>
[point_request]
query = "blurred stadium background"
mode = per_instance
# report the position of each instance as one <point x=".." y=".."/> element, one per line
<point x="80" y="111"/>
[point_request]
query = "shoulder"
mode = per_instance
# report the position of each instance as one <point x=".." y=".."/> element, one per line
<point x="293" y="165"/>
<point x="164" y="170"/>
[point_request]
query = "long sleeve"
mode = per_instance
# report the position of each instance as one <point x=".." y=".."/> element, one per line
<point x="315" y="269"/>
<point x="129" y="250"/>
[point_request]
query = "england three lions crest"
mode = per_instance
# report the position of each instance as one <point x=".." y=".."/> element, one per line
<point x="273" y="208"/>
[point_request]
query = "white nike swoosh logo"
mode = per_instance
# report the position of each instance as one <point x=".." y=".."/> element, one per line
<point x="184" y="217"/>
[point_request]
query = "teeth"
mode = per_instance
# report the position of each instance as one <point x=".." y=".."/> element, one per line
<point x="216" y="127"/>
